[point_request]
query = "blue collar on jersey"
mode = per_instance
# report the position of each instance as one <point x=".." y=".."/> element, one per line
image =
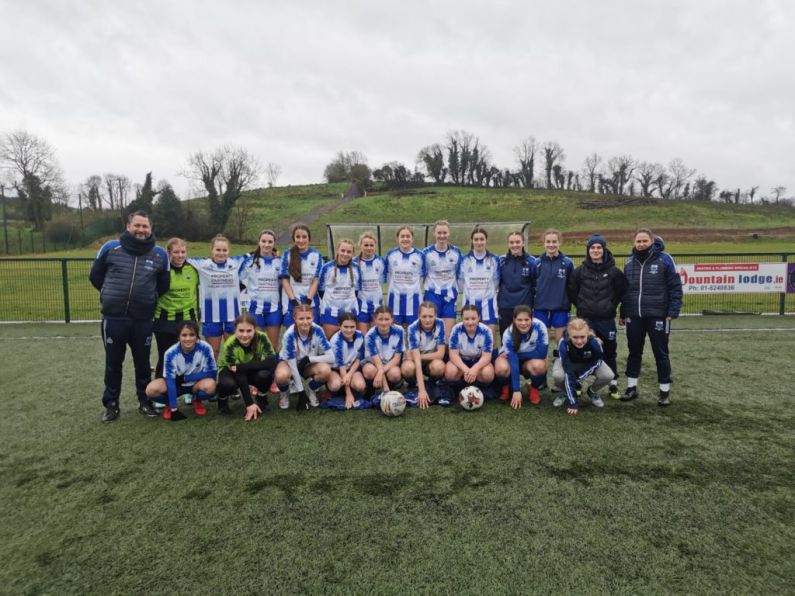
<point x="407" y="255"/>
<point x="479" y="260"/>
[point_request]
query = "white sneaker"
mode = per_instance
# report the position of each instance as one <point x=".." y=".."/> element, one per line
<point x="597" y="402"/>
<point x="310" y="393"/>
<point x="558" y="401"/>
<point x="284" y="400"/>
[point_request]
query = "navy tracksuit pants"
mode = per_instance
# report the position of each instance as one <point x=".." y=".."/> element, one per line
<point x="658" y="330"/>
<point x="605" y="329"/>
<point x="117" y="334"/>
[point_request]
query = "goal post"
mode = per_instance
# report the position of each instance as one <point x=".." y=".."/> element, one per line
<point x="423" y="234"/>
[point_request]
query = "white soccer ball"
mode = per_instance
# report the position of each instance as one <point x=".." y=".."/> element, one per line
<point x="393" y="403"/>
<point x="470" y="398"/>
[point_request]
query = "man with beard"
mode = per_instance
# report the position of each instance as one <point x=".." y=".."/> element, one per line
<point x="130" y="273"/>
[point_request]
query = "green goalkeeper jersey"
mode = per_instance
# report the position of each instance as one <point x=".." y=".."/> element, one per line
<point x="181" y="301"/>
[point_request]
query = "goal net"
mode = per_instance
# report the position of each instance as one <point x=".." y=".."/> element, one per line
<point x="423" y="234"/>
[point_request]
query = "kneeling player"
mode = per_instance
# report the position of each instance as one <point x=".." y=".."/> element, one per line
<point x="523" y="352"/>
<point x="581" y="356"/>
<point x="383" y="349"/>
<point x="471" y="345"/>
<point x="347" y="345"/>
<point x="188" y="367"/>
<point x="427" y="349"/>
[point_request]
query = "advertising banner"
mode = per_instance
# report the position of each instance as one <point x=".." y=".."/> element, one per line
<point x="714" y="278"/>
<point x="791" y="278"/>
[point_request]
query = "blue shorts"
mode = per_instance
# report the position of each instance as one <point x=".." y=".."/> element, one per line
<point x="269" y="319"/>
<point x="444" y="308"/>
<point x="326" y="318"/>
<point x="218" y="329"/>
<point x="405" y="319"/>
<point x="365" y="317"/>
<point x="487" y="310"/>
<point x="553" y="319"/>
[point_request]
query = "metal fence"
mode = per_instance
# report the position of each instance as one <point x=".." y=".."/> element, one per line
<point x="42" y="289"/>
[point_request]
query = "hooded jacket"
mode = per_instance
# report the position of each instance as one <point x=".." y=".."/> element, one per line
<point x="596" y="289"/>
<point x="654" y="288"/>
<point x="517" y="280"/>
<point x="130" y="274"/>
<point x="552" y="274"/>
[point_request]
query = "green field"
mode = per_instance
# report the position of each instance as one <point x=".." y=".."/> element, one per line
<point x="696" y="498"/>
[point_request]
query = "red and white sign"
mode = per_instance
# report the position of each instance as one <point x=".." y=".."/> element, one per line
<point x="715" y="278"/>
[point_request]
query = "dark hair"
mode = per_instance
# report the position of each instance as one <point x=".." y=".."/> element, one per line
<point x="516" y="335"/>
<point x="248" y="318"/>
<point x="256" y="251"/>
<point x="192" y="325"/>
<point x="468" y="307"/>
<point x="646" y="231"/>
<point x="294" y="267"/>
<point x="138" y="213"/>
<point x="346" y="316"/>
<point x="383" y="308"/>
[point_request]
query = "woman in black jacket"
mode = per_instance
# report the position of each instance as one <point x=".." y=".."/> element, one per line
<point x="596" y="288"/>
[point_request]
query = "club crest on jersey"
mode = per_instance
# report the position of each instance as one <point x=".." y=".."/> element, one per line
<point x="587" y="354"/>
<point x="654" y="269"/>
<point x="561" y="273"/>
<point x="611" y="336"/>
<point x="659" y="325"/>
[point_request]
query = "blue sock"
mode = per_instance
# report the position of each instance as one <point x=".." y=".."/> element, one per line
<point x="202" y="395"/>
<point x="315" y="385"/>
<point x="538" y="380"/>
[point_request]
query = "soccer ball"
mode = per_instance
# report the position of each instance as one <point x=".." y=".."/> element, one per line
<point x="470" y="398"/>
<point x="393" y="403"/>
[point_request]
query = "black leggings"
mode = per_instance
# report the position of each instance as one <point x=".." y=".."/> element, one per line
<point x="164" y="342"/>
<point x="230" y="382"/>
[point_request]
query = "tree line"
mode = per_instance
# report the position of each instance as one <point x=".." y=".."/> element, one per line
<point x="30" y="167"/>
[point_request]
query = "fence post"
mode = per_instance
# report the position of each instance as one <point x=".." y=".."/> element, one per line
<point x="44" y="241"/>
<point x="32" y="244"/>
<point x="65" y="279"/>
<point x="19" y="240"/>
<point x="782" y="298"/>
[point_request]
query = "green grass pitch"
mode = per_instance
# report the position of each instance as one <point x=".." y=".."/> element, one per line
<point x="699" y="497"/>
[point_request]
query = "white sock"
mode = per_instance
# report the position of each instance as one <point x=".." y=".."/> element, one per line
<point x="665" y="386"/>
<point x="631" y="382"/>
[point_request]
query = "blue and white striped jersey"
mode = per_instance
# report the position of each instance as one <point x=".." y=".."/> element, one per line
<point x="532" y="344"/>
<point x="311" y="264"/>
<point x="426" y="341"/>
<point x="404" y="273"/>
<point x="376" y="344"/>
<point x="263" y="286"/>
<point x="346" y="352"/>
<point x="442" y="271"/>
<point x="191" y="366"/>
<point x="219" y="288"/>
<point x="339" y="285"/>
<point x="372" y="274"/>
<point x="479" y="278"/>
<point x="471" y="348"/>
<point x="295" y="347"/>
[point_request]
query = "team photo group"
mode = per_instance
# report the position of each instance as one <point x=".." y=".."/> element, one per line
<point x="416" y="326"/>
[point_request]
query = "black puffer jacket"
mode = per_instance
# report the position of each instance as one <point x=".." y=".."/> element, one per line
<point x="130" y="275"/>
<point x="597" y="288"/>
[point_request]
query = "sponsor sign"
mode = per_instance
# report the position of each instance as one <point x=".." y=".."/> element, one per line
<point x="714" y="278"/>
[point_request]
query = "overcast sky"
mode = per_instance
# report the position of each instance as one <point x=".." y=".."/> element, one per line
<point x="132" y="87"/>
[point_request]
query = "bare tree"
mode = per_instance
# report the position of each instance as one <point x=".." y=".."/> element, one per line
<point x="618" y="172"/>
<point x="34" y="172"/>
<point x="225" y="174"/>
<point x="778" y="191"/>
<point x="272" y="173"/>
<point x="752" y="193"/>
<point x="646" y="173"/>
<point x="525" y="153"/>
<point x="92" y="188"/>
<point x="592" y="163"/>
<point x="553" y="155"/>
<point x="679" y="174"/>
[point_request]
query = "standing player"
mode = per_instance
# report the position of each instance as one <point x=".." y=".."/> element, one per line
<point x="219" y="292"/>
<point x="552" y="274"/>
<point x="180" y="303"/>
<point x="405" y="268"/>
<point x="260" y="274"/>
<point x="517" y="280"/>
<point x="442" y="263"/>
<point x="596" y="288"/>
<point x="479" y="276"/>
<point x="339" y="281"/>
<point x="300" y="274"/>
<point x="653" y="298"/>
<point x="372" y="274"/>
